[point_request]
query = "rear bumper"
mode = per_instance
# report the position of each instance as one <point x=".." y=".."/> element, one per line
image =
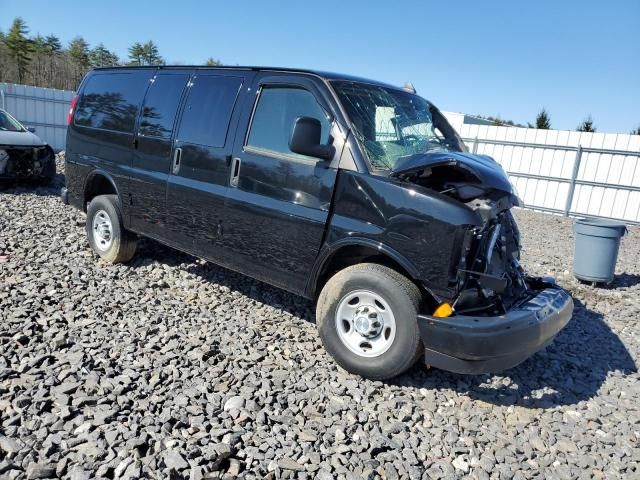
<point x="468" y="344"/>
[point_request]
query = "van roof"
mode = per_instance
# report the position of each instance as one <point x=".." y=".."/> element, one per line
<point x="318" y="73"/>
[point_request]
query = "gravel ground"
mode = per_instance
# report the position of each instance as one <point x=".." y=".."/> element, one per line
<point x="170" y="367"/>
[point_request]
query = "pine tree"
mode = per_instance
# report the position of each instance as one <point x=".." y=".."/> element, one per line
<point x="20" y="47"/>
<point x="100" y="56"/>
<point x="79" y="52"/>
<point x="586" y="125"/>
<point x="40" y="45"/>
<point x="635" y="131"/>
<point x="54" y="43"/>
<point x="543" y="121"/>
<point x="212" y="62"/>
<point x="136" y="52"/>
<point x="150" y="54"/>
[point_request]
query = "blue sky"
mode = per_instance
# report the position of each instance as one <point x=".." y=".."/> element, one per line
<point x="506" y="58"/>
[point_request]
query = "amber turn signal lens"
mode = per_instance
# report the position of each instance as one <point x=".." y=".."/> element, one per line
<point x="443" y="310"/>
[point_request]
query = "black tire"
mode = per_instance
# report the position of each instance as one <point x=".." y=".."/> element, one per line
<point x="402" y="296"/>
<point x="122" y="245"/>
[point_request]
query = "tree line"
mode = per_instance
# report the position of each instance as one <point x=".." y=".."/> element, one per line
<point x="44" y="62"/>
<point x="543" y="122"/>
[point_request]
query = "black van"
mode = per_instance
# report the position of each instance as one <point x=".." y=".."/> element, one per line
<point x="353" y="193"/>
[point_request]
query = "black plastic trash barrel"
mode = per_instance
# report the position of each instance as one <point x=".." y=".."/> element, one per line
<point x="596" y="249"/>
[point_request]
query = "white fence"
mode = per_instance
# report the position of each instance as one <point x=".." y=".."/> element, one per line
<point x="572" y="173"/>
<point x="45" y="109"/>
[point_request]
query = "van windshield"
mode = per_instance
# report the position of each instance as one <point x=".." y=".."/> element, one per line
<point x="9" y="124"/>
<point x="391" y="123"/>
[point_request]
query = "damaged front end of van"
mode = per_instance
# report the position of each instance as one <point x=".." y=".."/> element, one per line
<point x="444" y="216"/>
<point x="495" y="315"/>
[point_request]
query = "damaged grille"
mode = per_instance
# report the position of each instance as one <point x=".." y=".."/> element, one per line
<point x="20" y="162"/>
<point x="493" y="280"/>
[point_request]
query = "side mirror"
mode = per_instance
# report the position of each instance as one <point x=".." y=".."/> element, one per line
<point x="31" y="129"/>
<point x="305" y="139"/>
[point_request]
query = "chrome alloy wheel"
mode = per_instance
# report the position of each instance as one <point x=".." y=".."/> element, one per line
<point x="365" y="323"/>
<point x="102" y="230"/>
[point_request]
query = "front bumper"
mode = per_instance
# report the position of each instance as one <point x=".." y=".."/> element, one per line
<point x="468" y="344"/>
<point x="26" y="162"/>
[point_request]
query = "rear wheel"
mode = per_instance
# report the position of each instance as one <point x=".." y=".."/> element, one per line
<point x="106" y="232"/>
<point x="366" y="318"/>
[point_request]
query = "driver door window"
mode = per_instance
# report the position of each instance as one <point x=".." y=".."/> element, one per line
<point x="274" y="117"/>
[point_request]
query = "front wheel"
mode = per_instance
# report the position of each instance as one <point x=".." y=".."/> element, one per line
<point x="366" y="316"/>
<point x="106" y="232"/>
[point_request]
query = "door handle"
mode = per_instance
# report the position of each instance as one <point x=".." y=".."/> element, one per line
<point x="177" y="154"/>
<point x="235" y="172"/>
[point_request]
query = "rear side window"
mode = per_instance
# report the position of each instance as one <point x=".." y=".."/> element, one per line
<point x="160" y="105"/>
<point x="110" y="101"/>
<point x="276" y="112"/>
<point x="208" y="110"/>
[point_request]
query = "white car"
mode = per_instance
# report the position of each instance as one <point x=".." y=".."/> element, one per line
<point x="23" y="155"/>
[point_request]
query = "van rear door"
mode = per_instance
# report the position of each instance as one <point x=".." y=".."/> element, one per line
<point x="198" y="178"/>
<point x="100" y="139"/>
<point x="153" y="149"/>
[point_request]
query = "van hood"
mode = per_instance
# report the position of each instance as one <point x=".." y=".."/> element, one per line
<point x="20" y="139"/>
<point x="487" y="172"/>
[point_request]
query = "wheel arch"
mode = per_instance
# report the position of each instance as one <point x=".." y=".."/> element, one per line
<point x="98" y="182"/>
<point x="351" y="251"/>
